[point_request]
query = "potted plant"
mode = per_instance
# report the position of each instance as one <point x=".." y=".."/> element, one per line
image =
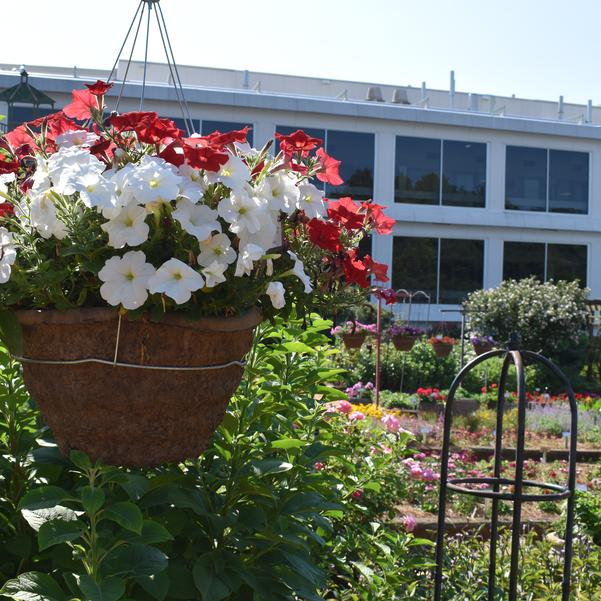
<point x="136" y="262"/>
<point x="403" y="337"/>
<point x="353" y="333"/>
<point x="483" y="344"/>
<point x="442" y="345"/>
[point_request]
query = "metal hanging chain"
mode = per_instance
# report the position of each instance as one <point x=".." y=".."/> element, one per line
<point x="171" y="64"/>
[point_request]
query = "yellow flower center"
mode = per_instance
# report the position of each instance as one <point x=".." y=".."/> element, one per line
<point x="177" y="275"/>
<point x="154" y="183"/>
<point x="90" y="188"/>
<point x="129" y="276"/>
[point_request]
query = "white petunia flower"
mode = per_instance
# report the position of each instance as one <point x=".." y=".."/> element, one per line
<point x="124" y="190"/>
<point x="269" y="233"/>
<point x="155" y="180"/>
<point x="311" y="201"/>
<point x="217" y="248"/>
<point x="281" y="192"/>
<point x="67" y="165"/>
<point x="246" y="258"/>
<point x="127" y="227"/>
<point x="8" y="254"/>
<point x="234" y="174"/>
<point x="198" y="220"/>
<point x="241" y="211"/>
<point x="299" y="271"/>
<point x="76" y="137"/>
<point x="97" y="191"/>
<point x="41" y="179"/>
<point x="177" y="280"/>
<point x="126" y="280"/>
<point x="42" y="216"/>
<point x="214" y="273"/>
<point x="193" y="184"/>
<point x="275" y="291"/>
<point x="5" y="179"/>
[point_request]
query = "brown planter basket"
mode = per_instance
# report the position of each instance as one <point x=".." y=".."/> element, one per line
<point x="403" y="342"/>
<point x="355" y="340"/>
<point x="126" y="415"/>
<point x="482" y="348"/>
<point x="442" y="349"/>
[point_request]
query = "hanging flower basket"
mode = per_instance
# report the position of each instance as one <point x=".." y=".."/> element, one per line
<point x="140" y="416"/>
<point x="354" y="341"/>
<point x="128" y="215"/>
<point x="442" y="345"/>
<point x="403" y="337"/>
<point x="483" y="344"/>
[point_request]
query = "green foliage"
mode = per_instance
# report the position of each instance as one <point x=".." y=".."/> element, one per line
<point x="588" y="514"/>
<point x="549" y="317"/>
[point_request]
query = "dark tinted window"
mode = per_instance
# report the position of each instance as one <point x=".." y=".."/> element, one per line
<point x="566" y="262"/>
<point x="209" y="127"/>
<point x="463" y="174"/>
<point x="522" y="260"/>
<point x="181" y="123"/>
<point x="356" y="151"/>
<point x="417" y="171"/>
<point x="568" y="181"/>
<point x="526" y="179"/>
<point x="414" y="263"/>
<point x="365" y="246"/>
<point x="461" y="269"/>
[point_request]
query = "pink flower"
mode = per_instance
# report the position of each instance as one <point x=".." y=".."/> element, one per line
<point x="409" y="523"/>
<point x="386" y="450"/>
<point x="416" y="472"/>
<point x="429" y="487"/>
<point x="391" y="422"/>
<point x="356" y="416"/>
<point x="357" y="494"/>
<point x="344" y="407"/>
<point x="428" y="475"/>
<point x="420" y="456"/>
<point x="319" y="466"/>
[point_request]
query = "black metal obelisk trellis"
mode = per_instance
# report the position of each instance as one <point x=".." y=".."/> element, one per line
<point x="515" y="490"/>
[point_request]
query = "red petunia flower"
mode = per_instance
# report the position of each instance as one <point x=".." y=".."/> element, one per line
<point x="6" y="210"/>
<point x="329" y="168"/>
<point x="298" y="141"/>
<point x="355" y="270"/>
<point x="204" y="157"/>
<point x="129" y="121"/>
<point x="229" y="137"/>
<point x="174" y="153"/>
<point x="325" y="235"/>
<point x="155" y="131"/>
<point x="378" y="270"/>
<point x="100" y="88"/>
<point x="19" y="137"/>
<point x="376" y="217"/>
<point x="345" y="212"/>
<point x="82" y="105"/>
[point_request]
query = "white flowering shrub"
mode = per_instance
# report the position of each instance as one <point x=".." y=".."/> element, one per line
<point x="126" y="210"/>
<point x="548" y="317"/>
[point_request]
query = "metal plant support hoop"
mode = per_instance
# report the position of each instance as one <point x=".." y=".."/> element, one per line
<point x="521" y="488"/>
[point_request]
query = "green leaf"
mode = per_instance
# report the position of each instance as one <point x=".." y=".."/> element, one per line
<point x="43" y="497"/>
<point x="92" y="499"/>
<point x="152" y="533"/>
<point x="80" y="459"/>
<point x="288" y="443"/>
<point x="109" y="589"/>
<point x="11" y="334"/>
<point x="270" y="466"/>
<point x="211" y="587"/>
<point x="36" y="518"/>
<point x="134" y="560"/>
<point x="125" y="514"/>
<point x="135" y="485"/>
<point x="58" y="531"/>
<point x="33" y="586"/>
<point x="298" y="347"/>
<point x="156" y="585"/>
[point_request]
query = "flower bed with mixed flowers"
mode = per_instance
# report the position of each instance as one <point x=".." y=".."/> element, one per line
<point x="127" y="210"/>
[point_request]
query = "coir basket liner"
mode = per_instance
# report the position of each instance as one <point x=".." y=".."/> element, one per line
<point x="131" y="416"/>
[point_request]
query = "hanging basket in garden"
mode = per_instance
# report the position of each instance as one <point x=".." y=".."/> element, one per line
<point x="483" y="344"/>
<point x="190" y="240"/>
<point x="442" y="345"/>
<point x="403" y="337"/>
<point x="355" y="340"/>
<point x="403" y="342"/>
<point x="154" y="395"/>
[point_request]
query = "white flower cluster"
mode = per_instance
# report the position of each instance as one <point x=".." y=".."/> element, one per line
<point x="240" y="229"/>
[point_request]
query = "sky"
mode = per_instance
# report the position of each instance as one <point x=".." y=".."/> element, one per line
<point x="530" y="48"/>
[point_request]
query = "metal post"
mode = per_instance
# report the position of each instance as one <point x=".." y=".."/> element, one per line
<point x="378" y="349"/>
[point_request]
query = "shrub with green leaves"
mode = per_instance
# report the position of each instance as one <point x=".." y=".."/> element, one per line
<point x="549" y="317"/>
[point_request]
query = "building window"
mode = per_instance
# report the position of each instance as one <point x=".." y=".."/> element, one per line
<point x="20" y="114"/>
<point x="446" y="269"/>
<point x="435" y="172"/>
<point x="209" y="127"/>
<point x="537" y="179"/>
<point x="545" y="261"/>
<point x="417" y="171"/>
<point x="461" y="269"/>
<point x="181" y="123"/>
<point x="355" y="150"/>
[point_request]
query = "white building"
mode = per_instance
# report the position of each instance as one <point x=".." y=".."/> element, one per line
<point x="482" y="187"/>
